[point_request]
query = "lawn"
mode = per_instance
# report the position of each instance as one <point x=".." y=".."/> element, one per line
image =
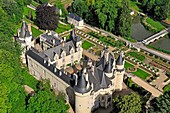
<point x="133" y="5"/>
<point x="86" y="45"/>
<point x="127" y="65"/>
<point x="137" y="56"/>
<point x="26" y="10"/>
<point x="157" y="25"/>
<point x="35" y="32"/>
<point x="142" y="74"/>
<point x="61" y="28"/>
<point x="167" y="88"/>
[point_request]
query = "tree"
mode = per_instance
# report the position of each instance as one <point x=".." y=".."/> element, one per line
<point x="79" y="7"/>
<point x="161" y="104"/>
<point x="124" y="21"/>
<point x="4" y="104"/>
<point x="27" y="2"/>
<point x="13" y="9"/>
<point x="130" y="103"/>
<point x="46" y="101"/>
<point x="107" y="12"/>
<point x="162" y="9"/>
<point x="46" y="17"/>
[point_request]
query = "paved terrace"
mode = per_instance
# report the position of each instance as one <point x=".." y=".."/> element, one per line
<point x="155" y="92"/>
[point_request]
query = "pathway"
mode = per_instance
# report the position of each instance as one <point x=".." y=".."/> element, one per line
<point x="159" y="82"/>
<point x="155" y="92"/>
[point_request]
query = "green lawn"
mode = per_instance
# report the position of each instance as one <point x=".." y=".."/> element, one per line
<point x="26" y="10"/>
<point x="133" y="5"/>
<point x="137" y="56"/>
<point x="167" y="88"/>
<point x="35" y="32"/>
<point x="86" y="45"/>
<point x="61" y="28"/>
<point x="127" y="65"/>
<point x="34" y="3"/>
<point x="142" y="74"/>
<point x="157" y="25"/>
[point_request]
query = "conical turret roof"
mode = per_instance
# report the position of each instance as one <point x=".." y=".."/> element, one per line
<point x="120" y="59"/>
<point x="81" y="86"/>
<point x="103" y="83"/>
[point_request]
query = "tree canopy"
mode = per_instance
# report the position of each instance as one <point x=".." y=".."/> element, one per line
<point x="161" y="104"/>
<point x="130" y="103"/>
<point x="158" y="8"/>
<point x="46" y="17"/>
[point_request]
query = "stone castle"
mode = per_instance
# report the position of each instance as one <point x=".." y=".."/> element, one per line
<point x="86" y="88"/>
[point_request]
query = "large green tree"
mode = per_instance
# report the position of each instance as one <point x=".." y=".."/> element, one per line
<point x="80" y="8"/>
<point x="161" y="104"/>
<point x="46" y="17"/>
<point x="46" y="101"/>
<point x="107" y="12"/>
<point x="162" y="9"/>
<point x="124" y="22"/>
<point x="130" y="103"/>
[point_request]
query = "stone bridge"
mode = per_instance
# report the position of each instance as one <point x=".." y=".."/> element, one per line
<point x="156" y="36"/>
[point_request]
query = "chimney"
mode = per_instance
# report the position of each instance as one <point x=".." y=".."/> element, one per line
<point x="29" y="28"/>
<point x="62" y="43"/>
<point x="64" y="39"/>
<point x="76" y="78"/>
<point x="53" y="41"/>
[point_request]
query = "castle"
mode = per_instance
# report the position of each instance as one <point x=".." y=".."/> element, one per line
<point x="87" y="88"/>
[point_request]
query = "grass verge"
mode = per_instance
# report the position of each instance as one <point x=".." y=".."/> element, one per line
<point x="142" y="74"/>
<point x="35" y="32"/>
<point x="86" y="45"/>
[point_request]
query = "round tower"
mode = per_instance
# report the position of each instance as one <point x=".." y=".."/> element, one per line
<point x="82" y="95"/>
<point x="119" y="72"/>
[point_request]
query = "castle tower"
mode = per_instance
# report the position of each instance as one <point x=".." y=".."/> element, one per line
<point x="82" y="95"/>
<point x="119" y="72"/>
<point x="25" y="38"/>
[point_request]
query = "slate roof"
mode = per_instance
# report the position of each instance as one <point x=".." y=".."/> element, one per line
<point x="120" y="60"/>
<point x="52" y="39"/>
<point x="24" y="32"/>
<point x="59" y="49"/>
<point x="39" y="58"/>
<point x="81" y="86"/>
<point x="74" y="16"/>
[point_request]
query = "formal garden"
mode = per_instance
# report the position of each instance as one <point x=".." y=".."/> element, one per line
<point x="136" y="71"/>
<point x="86" y="45"/>
<point x="137" y="55"/>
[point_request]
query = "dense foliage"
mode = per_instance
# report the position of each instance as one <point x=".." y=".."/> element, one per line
<point x="46" y="17"/>
<point x="158" y="8"/>
<point x="161" y="104"/>
<point x="13" y="74"/>
<point x="130" y="103"/>
<point x="104" y="14"/>
<point x="45" y="101"/>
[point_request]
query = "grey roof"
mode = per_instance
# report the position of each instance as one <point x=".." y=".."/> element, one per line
<point x="74" y="16"/>
<point x="23" y="30"/>
<point x="102" y="63"/>
<point x="51" y="39"/>
<point x="108" y="67"/>
<point x="120" y="60"/>
<point x="59" y="49"/>
<point x="73" y="36"/>
<point x="81" y="85"/>
<point x="39" y="58"/>
<point x="103" y="83"/>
